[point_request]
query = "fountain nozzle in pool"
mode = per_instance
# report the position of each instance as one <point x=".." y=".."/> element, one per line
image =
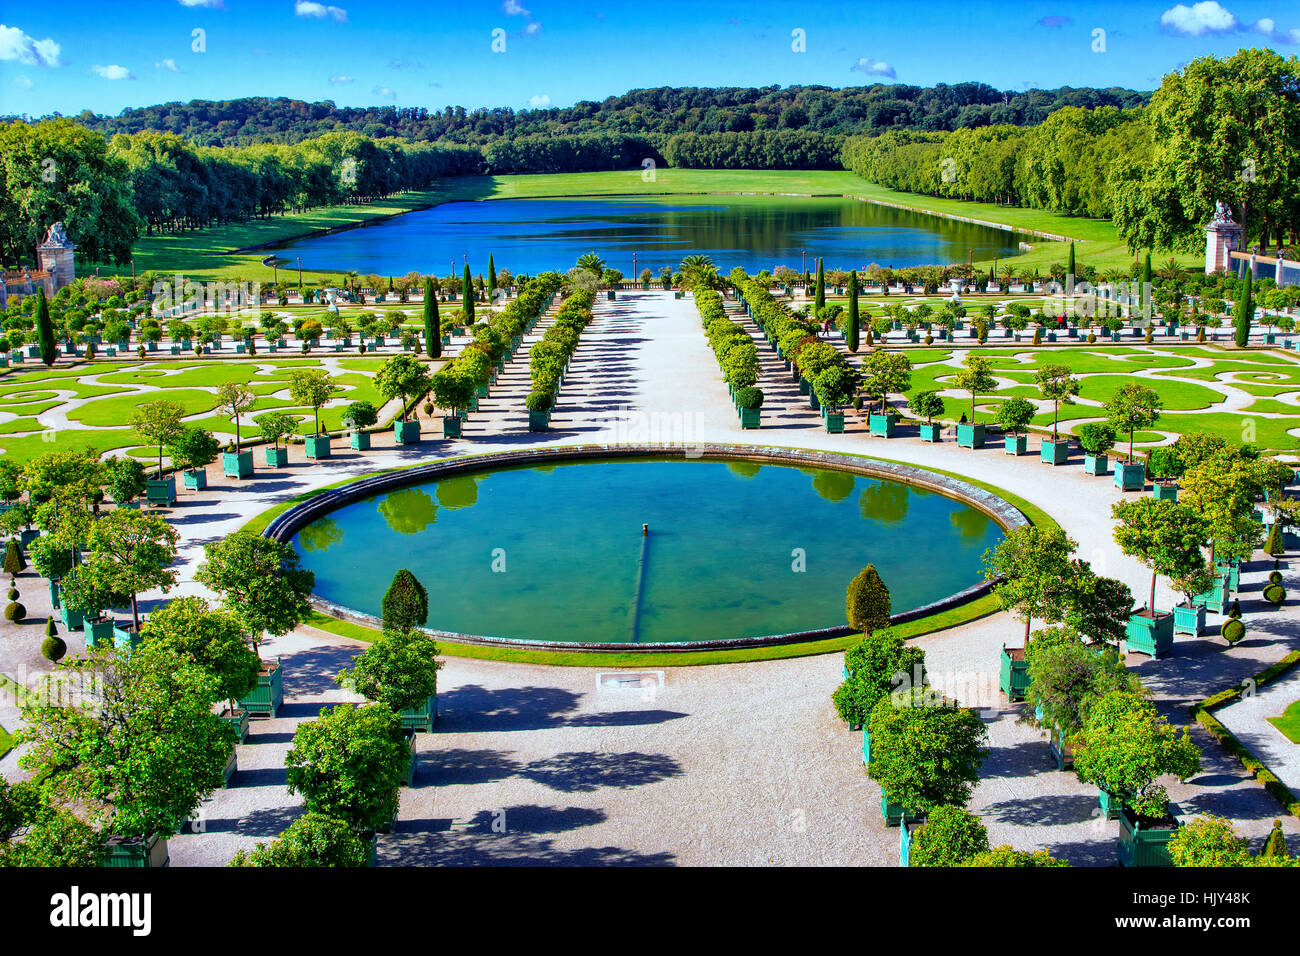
<point x="645" y="530"/>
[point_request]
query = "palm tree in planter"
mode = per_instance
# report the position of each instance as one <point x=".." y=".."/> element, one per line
<point x="274" y="428"/>
<point x="1013" y="415"/>
<point x="1057" y="385"/>
<point x="976" y="378"/>
<point x="407" y="378"/>
<point x="312" y="387"/>
<point x="159" y="423"/>
<point x="1133" y="406"/>
<point x="1167" y="537"/>
<point x="1034" y="576"/>
<point x="356" y="418"/>
<point x="142" y="754"/>
<point x="349" y="764"/>
<point x="233" y="399"/>
<point x="214" y="640"/>
<point x="399" y="670"/>
<point x="885" y="373"/>
<point x="925" y="753"/>
<point x="193" y="450"/>
<point x="927" y="404"/>
<point x="1125" y="747"/>
<point x="453" y="389"/>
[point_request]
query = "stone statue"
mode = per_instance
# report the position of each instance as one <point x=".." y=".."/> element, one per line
<point x="56" y="236"/>
<point x="1222" y="213"/>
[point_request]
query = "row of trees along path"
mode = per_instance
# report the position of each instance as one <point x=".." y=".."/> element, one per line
<point x="784" y="406"/>
<point x="503" y="410"/>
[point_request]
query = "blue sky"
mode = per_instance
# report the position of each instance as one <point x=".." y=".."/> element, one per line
<point x="108" y="55"/>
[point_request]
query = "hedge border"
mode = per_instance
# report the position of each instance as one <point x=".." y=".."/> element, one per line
<point x="1201" y="712"/>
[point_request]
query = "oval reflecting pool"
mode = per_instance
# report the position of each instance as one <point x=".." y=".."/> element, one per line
<point x="734" y="549"/>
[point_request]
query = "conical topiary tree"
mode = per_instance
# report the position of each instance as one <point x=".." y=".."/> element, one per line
<point x="1272" y="545"/>
<point x="867" y="601"/>
<point x="15" y="564"/>
<point x="1275" y="845"/>
<point x="406" y="602"/>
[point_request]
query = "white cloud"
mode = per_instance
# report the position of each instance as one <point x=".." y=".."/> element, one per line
<point x="514" y="8"/>
<point x="532" y="28"/>
<point x="1265" y="26"/>
<point x="1293" y="35"/>
<point x="341" y="79"/>
<point x="212" y="4"/>
<point x="872" y="67"/>
<point x="309" y="8"/>
<point x="539" y="102"/>
<point x="167" y="64"/>
<point x="384" y="93"/>
<point x="17" y="45"/>
<point x="22" y="82"/>
<point x="1198" y="19"/>
<point x="113" y="72"/>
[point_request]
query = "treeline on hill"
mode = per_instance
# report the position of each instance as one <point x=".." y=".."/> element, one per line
<point x="660" y="112"/>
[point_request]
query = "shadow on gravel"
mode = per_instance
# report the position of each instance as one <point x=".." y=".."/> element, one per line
<point x="1045" y="811"/>
<point x="463" y="766"/>
<point x="504" y="849"/>
<point x="312" y="671"/>
<point x="261" y="777"/>
<point x="472" y="708"/>
<point x="586" y="771"/>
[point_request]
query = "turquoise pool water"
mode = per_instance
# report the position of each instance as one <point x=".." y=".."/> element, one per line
<point x="734" y="549"/>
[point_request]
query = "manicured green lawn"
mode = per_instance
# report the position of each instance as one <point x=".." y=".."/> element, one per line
<point x="1289" y="722"/>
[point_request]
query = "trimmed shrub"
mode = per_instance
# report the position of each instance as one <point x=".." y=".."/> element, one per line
<point x="1092" y="338"/>
<point x="406" y="602"/>
<point x="15" y="612"/>
<point x="1275" y="594"/>
<point x="1275" y="845"/>
<point x="538" y="401"/>
<point x="949" y="837"/>
<point x="1235" y="610"/>
<point x="749" y="397"/>
<point x="1275" y="577"/>
<point x="1232" y="630"/>
<point x="14" y="564"/>
<point x="867" y="601"/>
<point x="1273" y="544"/>
<point x="53" y="649"/>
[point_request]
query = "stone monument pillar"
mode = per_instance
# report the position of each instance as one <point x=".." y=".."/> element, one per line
<point x="1222" y="236"/>
<point x="56" y="256"/>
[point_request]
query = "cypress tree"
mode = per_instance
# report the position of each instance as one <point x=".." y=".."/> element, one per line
<point x="1146" y="287"/>
<point x="851" y="335"/>
<point x="492" y="277"/>
<point x="467" y="292"/>
<point x="1245" y="312"/>
<point x="432" y="323"/>
<point x="406" y="602"/>
<point x="45" y="327"/>
<point x="1069" y="267"/>
<point x="821" y="286"/>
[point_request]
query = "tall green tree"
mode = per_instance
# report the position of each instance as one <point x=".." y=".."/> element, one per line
<point x="851" y="334"/>
<point x="259" y="581"/>
<point x="312" y="387"/>
<point x="212" y="639"/>
<point x="1033" y="574"/>
<point x="1057" y="385"/>
<point x="1244" y="313"/>
<point x="467" y="294"/>
<point x="1164" y="535"/>
<point x="399" y="669"/>
<point x="158" y="423"/>
<point x="491" y="278"/>
<point x="1133" y="406"/>
<point x="45" y="328"/>
<point x="432" y="322"/>
<point x="820" y="301"/>
<point x="926" y="756"/>
<point x="402" y="376"/>
<point x="129" y="551"/>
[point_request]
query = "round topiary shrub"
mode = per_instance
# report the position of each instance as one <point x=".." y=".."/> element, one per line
<point x="1233" y="630"/>
<point x="12" y="595"/>
<point x="53" y="649"/>
<point x="929" y="339"/>
<point x="1092" y="338"/>
<point x="538" y="401"/>
<point x="15" y="612"/>
<point x="1275" y="594"/>
<point x="749" y="397"/>
<point x="1274" y="577"/>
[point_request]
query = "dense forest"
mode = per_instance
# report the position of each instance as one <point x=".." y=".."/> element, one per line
<point x="656" y="113"/>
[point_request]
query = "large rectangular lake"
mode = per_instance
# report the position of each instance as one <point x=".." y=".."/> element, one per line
<point x="529" y="236"/>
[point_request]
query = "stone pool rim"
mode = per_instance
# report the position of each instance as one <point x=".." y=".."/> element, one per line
<point x="285" y="525"/>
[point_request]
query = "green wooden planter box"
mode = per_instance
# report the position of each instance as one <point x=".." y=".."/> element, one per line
<point x="161" y="491"/>
<point x="135" y="853"/>
<point x="1062" y="752"/>
<point x="895" y="814"/>
<point x="481" y="391"/>
<point x="882" y="426"/>
<point x="866" y="749"/>
<point x="905" y="844"/>
<point x="1162" y="492"/>
<point x="750" y="417"/>
<point x="1216" y="598"/>
<point x="539" y="421"/>
<point x="408" y="433"/>
<point x="317" y="446"/>
<point x="1013" y="679"/>
<point x="610" y="295"/>
<point x="195" y="479"/>
<point x="970" y="435"/>
<point x="125" y="641"/>
<point x="1233" y="572"/>
<point x="73" y="618"/>
<point x="359" y="441"/>
<point x="834" y="423"/>
<point x="1141" y="846"/>
<point x="237" y="464"/>
<point x="451" y="426"/>
<point x="1096" y="464"/>
<point x="1151" y="636"/>
<point x="420" y="719"/>
<point x="54" y="593"/>
<point x="409" y="779"/>
<point x="1110" y="804"/>
<point x="268" y="696"/>
<point x="99" y="633"/>
<point x="931" y="433"/>
<point x="1016" y="444"/>
<point x="277" y="457"/>
<point x="1130" y="476"/>
<point x="238" y="720"/>
<point x="232" y="766"/>
<point x="1054" y="452"/>
<point x="1189" y="619"/>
